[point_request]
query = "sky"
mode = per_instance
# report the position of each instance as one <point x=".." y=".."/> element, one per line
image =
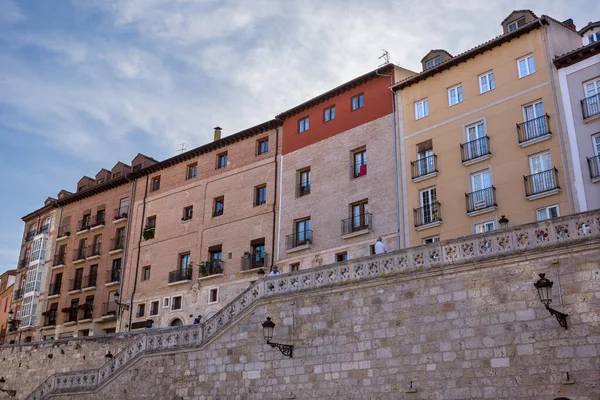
<point x="86" y="83"/>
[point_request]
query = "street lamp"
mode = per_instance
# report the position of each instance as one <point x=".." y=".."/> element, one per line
<point x="10" y="393"/>
<point x="125" y="306"/>
<point x="268" y="327"/>
<point x="544" y="288"/>
<point x="503" y="221"/>
<point x="108" y="356"/>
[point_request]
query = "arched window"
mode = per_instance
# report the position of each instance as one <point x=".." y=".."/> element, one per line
<point x="176" y="322"/>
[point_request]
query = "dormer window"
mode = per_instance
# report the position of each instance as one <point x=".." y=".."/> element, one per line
<point x="516" y="24"/>
<point x="432" y="63"/>
<point x="80" y="188"/>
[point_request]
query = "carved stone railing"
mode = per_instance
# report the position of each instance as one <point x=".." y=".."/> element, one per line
<point x="503" y="242"/>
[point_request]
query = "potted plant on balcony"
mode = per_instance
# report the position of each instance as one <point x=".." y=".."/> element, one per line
<point x="247" y="255"/>
<point x="203" y="268"/>
<point x="85" y="307"/>
<point x="45" y="313"/>
<point x="148" y="233"/>
<point x="66" y="309"/>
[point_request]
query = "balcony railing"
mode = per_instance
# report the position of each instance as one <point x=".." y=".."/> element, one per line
<point x="55" y="288"/>
<point x="534" y="128"/>
<point x="50" y="318"/>
<point x="590" y="106"/>
<point x="94" y="249"/>
<point x="302" y="189"/>
<point x="481" y="199"/>
<point x="117" y="243"/>
<point x="428" y="214"/>
<point x="109" y="308"/>
<point x="59" y="259"/>
<point x="84" y="224"/>
<point x="298" y="239"/>
<point x="87" y="311"/>
<point x="359" y="169"/>
<point x="594" y="166"/>
<point x="113" y="276"/>
<point x="180" y="275"/>
<point x="64" y="230"/>
<point x="72" y="313"/>
<point x="75" y="284"/>
<point x="97" y="220"/>
<point x="23" y="262"/>
<point x="44" y="229"/>
<point x="90" y="281"/>
<point x="18" y="294"/>
<point x="357" y="223"/>
<point x="121" y="212"/>
<point x="541" y="182"/>
<point x="475" y="149"/>
<point x="79" y="254"/>
<point x="254" y="261"/>
<point x="423" y="166"/>
<point x="212" y="267"/>
<point x="30" y="235"/>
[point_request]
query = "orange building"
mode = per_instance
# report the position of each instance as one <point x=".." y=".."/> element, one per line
<point x="7" y="281"/>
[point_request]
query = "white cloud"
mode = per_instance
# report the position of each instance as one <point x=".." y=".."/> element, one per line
<point x="9" y="12"/>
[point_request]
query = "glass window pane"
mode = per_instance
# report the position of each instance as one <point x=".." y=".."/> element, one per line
<point x="531" y="64"/>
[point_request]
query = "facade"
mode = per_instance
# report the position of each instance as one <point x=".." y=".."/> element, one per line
<point x="202" y="227"/>
<point x="480" y="134"/>
<point x="579" y="80"/>
<point x="7" y="281"/>
<point x="333" y="204"/>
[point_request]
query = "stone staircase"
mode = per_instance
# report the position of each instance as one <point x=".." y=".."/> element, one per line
<point x="505" y="242"/>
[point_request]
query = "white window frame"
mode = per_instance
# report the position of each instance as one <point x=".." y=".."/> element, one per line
<point x="425" y="107"/>
<point x="173" y="302"/>
<point x="431" y="240"/>
<point x="515" y="24"/>
<point x="210" y="290"/>
<point x="459" y="95"/>
<point x="487" y="75"/>
<point x="150" y="308"/>
<point x="526" y="59"/>
<point x="166" y="302"/>
<point x="547" y="211"/>
<point x="596" y="144"/>
<point x="483" y="225"/>
<point x="433" y="62"/>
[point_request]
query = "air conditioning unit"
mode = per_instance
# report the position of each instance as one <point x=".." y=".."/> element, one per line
<point x="479" y="205"/>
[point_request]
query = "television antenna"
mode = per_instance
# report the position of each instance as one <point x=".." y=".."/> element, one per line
<point x="385" y="56"/>
<point x="181" y="149"/>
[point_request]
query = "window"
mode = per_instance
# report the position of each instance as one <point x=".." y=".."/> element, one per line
<point x="294" y="267"/>
<point x="486" y="82"/>
<point x="116" y="175"/>
<point x="154" y="308"/>
<point x="215" y="252"/>
<point x="542" y="178"/>
<point x="359" y="163"/>
<point x="304" y="179"/>
<point x="432" y="63"/>
<point x="100" y="217"/>
<point x="429" y="209"/>
<point x="421" y="109"/>
<point x="155" y="183"/>
<point x="430" y="240"/>
<point x="358" y="102"/>
<point x="85" y="221"/>
<point x="339" y="257"/>
<point x="123" y="208"/>
<point x="146" y="273"/>
<point x="80" y="188"/>
<point x="141" y="310"/>
<point x="99" y="181"/>
<point x="455" y="95"/>
<point x="165" y="302"/>
<point x="192" y="171"/>
<point x="213" y="295"/>
<point x="329" y="114"/>
<point x="184" y="261"/>
<point x="222" y="160"/>
<point x="219" y="206"/>
<point x="360" y="219"/>
<point x="516" y="24"/>
<point x="151" y="222"/>
<point x="176" y="303"/>
<point x="137" y="167"/>
<point x="485" y="227"/>
<point x="262" y="146"/>
<point x="526" y="66"/>
<point x="260" y="195"/>
<point x="547" y="212"/>
<point x="594" y="37"/>
<point x="425" y="158"/>
<point x="115" y="271"/>
<point x="303" y="232"/>
<point x="303" y="124"/>
<point x="188" y="212"/>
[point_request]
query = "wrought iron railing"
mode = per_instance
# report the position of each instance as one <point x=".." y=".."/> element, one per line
<point x="75" y="283"/>
<point x="428" y="214"/>
<point x="594" y="166"/>
<point x="44" y="229"/>
<point x="357" y="223"/>
<point x="590" y="106"/>
<point x="94" y="249"/>
<point x="179" y="275"/>
<point x="254" y="261"/>
<point x="79" y="254"/>
<point x="90" y="280"/>
<point x="423" y="166"/>
<point x="212" y="267"/>
<point x="298" y="239"/>
<point x="544" y="181"/>
<point x="23" y="262"/>
<point x="64" y="230"/>
<point x="84" y="224"/>
<point x="30" y="235"/>
<point x="121" y="212"/>
<point x="55" y="288"/>
<point x="59" y="259"/>
<point x="18" y="294"/>
<point x="481" y="199"/>
<point x="113" y="276"/>
<point x="475" y="149"/>
<point x="117" y="243"/>
<point x="97" y="220"/>
<point x="109" y="308"/>
<point x="50" y="318"/>
<point x="534" y="128"/>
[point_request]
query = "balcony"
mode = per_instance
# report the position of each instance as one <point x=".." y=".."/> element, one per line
<point x="428" y="216"/>
<point x="180" y="275"/>
<point x="302" y="189"/>
<point x="590" y="107"/>
<point x="43" y="229"/>
<point x="97" y="221"/>
<point x="89" y="282"/>
<point x="84" y="224"/>
<point x="121" y="214"/>
<point x="50" y="318"/>
<point x="59" y="260"/>
<point x="359" y="169"/>
<point x="357" y="225"/>
<point x="87" y="311"/>
<point x="481" y="201"/>
<point x="594" y="167"/>
<point x="18" y="294"/>
<point x="94" y="250"/>
<point x="109" y="309"/>
<point x="113" y="277"/>
<point x="254" y="261"/>
<point x="117" y="244"/>
<point x="72" y="314"/>
<point x="64" y="231"/>
<point x="79" y="255"/>
<point x="23" y="263"/>
<point x="424" y="168"/>
<point x="75" y="284"/>
<point x="54" y="289"/>
<point x="534" y="131"/>
<point x="30" y="235"/>
<point x="541" y="184"/>
<point x="298" y="241"/>
<point x="210" y="268"/>
<point x="475" y="151"/>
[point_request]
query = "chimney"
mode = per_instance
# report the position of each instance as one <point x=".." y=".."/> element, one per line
<point x="217" y="133"/>
<point x="569" y="24"/>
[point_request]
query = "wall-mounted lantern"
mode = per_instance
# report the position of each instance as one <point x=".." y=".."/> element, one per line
<point x="108" y="356"/>
<point x="503" y="222"/>
<point x="268" y="327"/>
<point x="544" y="288"/>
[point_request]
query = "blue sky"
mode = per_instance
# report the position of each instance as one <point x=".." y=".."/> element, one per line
<point x="85" y="83"/>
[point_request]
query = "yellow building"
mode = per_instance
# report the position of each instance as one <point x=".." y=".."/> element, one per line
<point x="480" y="134"/>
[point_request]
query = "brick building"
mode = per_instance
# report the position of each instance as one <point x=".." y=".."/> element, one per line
<point x="7" y="281"/>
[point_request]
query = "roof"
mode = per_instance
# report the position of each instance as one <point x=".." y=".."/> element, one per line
<point x="515" y="12"/>
<point x="39" y="211"/>
<point x="335" y="91"/>
<point x="577" y="55"/>
<point x="475" y="51"/>
<point x="436" y="51"/>
<point x="590" y="25"/>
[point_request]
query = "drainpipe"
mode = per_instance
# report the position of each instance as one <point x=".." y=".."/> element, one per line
<point x="274" y="197"/>
<point x="395" y="161"/>
<point x="279" y="217"/>
<point x="125" y="245"/>
<point x="139" y="249"/>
